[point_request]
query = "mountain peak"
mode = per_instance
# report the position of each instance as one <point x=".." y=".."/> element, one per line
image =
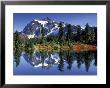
<point x="46" y="19"/>
<point x="50" y="27"/>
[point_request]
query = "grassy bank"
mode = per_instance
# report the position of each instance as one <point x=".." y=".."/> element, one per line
<point x="76" y="47"/>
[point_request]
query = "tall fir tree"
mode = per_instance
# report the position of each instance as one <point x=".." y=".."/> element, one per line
<point x="69" y="32"/>
<point x="61" y="33"/>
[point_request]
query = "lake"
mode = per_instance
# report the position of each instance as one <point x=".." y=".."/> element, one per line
<point x="55" y="63"/>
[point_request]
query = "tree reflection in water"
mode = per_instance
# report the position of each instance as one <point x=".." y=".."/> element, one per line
<point x="61" y="62"/>
<point x="46" y="60"/>
<point x="17" y="55"/>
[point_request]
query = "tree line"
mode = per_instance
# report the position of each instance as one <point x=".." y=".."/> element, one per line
<point x="86" y="36"/>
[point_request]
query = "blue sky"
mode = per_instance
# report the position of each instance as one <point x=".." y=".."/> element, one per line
<point x="22" y="19"/>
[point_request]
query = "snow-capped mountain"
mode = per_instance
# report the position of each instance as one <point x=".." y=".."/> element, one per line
<point x="50" y="27"/>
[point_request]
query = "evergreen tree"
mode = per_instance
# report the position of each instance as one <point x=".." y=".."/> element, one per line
<point x="89" y="34"/>
<point x="61" y="33"/>
<point x="69" y="32"/>
<point x="86" y="33"/>
<point x="95" y="32"/>
<point x="17" y="47"/>
<point x="78" y="32"/>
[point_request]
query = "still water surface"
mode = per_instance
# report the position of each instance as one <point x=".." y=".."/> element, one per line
<point x="55" y="63"/>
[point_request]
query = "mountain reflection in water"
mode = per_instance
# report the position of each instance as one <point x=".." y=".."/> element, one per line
<point x="55" y="63"/>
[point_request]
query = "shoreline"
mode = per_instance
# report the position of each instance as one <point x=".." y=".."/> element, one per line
<point x="75" y="47"/>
